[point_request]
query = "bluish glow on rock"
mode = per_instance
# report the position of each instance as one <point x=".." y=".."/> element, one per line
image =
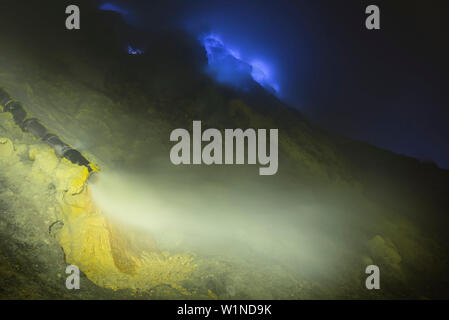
<point x="228" y="66"/>
<point x="262" y="74"/>
<point x="107" y="6"/>
<point x="127" y="16"/>
<point x="134" y="51"/>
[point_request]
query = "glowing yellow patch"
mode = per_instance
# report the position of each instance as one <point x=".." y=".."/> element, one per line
<point x="110" y="255"/>
<point x="111" y="258"/>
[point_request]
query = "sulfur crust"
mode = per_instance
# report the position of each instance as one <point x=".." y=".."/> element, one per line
<point x="108" y="254"/>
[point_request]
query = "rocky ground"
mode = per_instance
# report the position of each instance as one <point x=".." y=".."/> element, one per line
<point x="335" y="206"/>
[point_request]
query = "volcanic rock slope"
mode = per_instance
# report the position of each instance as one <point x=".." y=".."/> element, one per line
<point x="375" y="206"/>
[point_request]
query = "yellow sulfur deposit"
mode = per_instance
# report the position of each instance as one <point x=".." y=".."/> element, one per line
<point x="6" y="147"/>
<point x="110" y="255"/>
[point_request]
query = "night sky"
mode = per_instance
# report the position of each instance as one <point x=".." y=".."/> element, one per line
<point x="386" y="87"/>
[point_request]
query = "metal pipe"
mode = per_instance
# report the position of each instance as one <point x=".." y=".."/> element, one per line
<point x="4" y="97"/>
<point x="33" y="126"/>
<point x="17" y="111"/>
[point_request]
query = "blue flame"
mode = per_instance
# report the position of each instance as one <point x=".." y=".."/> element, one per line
<point x="127" y="16"/>
<point x="261" y="73"/>
<point x="107" y="6"/>
<point x="228" y="66"/>
<point x="134" y="51"/>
